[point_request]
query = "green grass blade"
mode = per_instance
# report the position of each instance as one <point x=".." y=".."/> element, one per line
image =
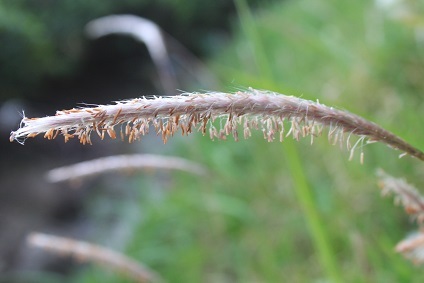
<point x="303" y="190"/>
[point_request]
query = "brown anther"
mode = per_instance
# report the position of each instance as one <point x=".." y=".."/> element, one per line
<point x="55" y="135"/>
<point x="131" y="137"/>
<point x="183" y="129"/>
<point x="111" y="132"/>
<point x="102" y="122"/>
<point x="49" y="134"/>
<point x="32" y="135"/>
<point x="235" y="135"/>
<point x="205" y="121"/>
<point x="67" y="136"/>
<point x="127" y="129"/>
<point x="116" y="116"/>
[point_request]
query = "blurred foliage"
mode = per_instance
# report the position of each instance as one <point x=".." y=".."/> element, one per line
<point x="44" y="39"/>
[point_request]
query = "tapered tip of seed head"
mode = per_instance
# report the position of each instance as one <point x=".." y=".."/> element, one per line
<point x="12" y="136"/>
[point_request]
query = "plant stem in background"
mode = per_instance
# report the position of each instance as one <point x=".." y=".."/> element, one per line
<point x="248" y="24"/>
<point x="317" y="227"/>
<point x="303" y="190"/>
<point x="86" y="252"/>
<point x="142" y="30"/>
<point x="126" y="163"/>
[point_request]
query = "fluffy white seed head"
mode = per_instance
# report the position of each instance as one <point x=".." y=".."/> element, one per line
<point x="251" y="109"/>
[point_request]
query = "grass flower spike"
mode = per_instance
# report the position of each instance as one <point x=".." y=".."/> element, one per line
<point x="405" y="194"/>
<point x="412" y="247"/>
<point x="251" y="109"/>
<point x="127" y="163"/>
<point x="87" y="252"/>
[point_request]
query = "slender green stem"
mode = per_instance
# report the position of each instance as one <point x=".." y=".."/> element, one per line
<point x="303" y="190"/>
<point x="314" y="221"/>
<point x="248" y="24"/>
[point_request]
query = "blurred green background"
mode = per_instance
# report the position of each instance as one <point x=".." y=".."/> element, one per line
<point x="270" y="212"/>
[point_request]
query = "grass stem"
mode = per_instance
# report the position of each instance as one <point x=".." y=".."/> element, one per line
<point x="303" y="190"/>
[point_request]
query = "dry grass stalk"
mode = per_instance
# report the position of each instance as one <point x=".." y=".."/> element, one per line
<point x="86" y="252"/>
<point x="408" y="196"/>
<point x="123" y="163"/>
<point x="252" y="109"/>
<point x="412" y="248"/>
<point x="405" y="194"/>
